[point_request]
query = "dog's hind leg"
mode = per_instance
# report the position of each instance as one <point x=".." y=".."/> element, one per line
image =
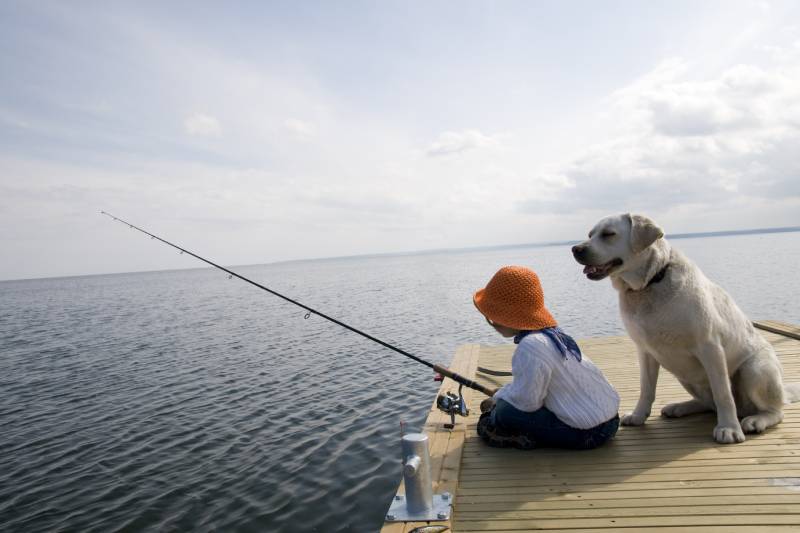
<point x="759" y="384"/>
<point x="791" y="392"/>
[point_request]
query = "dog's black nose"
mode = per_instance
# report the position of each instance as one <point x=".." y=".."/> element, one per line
<point x="577" y="250"/>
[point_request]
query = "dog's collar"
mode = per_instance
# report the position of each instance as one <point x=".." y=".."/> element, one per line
<point x="658" y="277"/>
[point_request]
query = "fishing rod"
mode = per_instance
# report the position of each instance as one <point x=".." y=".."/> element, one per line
<point x="449" y="402"/>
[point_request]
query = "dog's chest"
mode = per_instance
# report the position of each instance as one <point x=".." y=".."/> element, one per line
<point x="656" y="335"/>
<point x="650" y="319"/>
<point x="637" y="303"/>
<point x="641" y="306"/>
<point x="655" y="326"/>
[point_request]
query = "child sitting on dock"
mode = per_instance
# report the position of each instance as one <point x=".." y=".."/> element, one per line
<point x="558" y="397"/>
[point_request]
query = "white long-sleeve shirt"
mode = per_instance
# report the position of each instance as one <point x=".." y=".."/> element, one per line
<point x="575" y="391"/>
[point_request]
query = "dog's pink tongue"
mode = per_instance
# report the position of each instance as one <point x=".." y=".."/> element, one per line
<point x="589" y="269"/>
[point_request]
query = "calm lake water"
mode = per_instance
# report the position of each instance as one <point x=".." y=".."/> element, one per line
<point x="185" y="401"/>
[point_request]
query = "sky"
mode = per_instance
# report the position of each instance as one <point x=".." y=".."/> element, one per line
<point x="254" y="132"/>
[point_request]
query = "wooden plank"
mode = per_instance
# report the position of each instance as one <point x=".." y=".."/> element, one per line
<point x="512" y="465"/>
<point x="525" y="471"/>
<point x="616" y="498"/>
<point x="780" y="328"/>
<point x="701" y="441"/>
<point x="735" y="498"/>
<point x="664" y="529"/>
<point x="687" y="509"/>
<point x="602" y="477"/>
<point x="627" y="522"/>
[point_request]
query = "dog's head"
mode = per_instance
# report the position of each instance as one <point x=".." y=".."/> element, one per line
<point x="615" y="244"/>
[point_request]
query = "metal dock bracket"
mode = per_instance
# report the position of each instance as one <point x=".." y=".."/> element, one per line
<point x="419" y="503"/>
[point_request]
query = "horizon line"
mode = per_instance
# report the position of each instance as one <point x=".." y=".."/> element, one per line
<point x="431" y="251"/>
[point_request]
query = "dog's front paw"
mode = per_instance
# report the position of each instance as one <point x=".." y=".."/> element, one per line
<point x="728" y="434"/>
<point x="633" y="419"/>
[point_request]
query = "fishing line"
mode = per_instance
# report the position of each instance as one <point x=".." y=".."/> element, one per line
<point x="309" y="311"/>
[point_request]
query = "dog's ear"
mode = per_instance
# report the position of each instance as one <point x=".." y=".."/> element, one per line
<point x="644" y="232"/>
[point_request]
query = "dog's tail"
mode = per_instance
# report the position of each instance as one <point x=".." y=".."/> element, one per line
<point x="791" y="392"/>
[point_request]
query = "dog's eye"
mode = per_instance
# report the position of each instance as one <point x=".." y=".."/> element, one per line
<point x="607" y="234"/>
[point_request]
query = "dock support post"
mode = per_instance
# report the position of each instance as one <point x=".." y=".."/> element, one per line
<point x="417" y="473"/>
<point x="419" y="502"/>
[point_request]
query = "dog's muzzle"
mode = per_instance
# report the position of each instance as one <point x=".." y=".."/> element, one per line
<point x="579" y="253"/>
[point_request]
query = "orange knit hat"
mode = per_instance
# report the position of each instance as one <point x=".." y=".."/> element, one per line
<point x="514" y="298"/>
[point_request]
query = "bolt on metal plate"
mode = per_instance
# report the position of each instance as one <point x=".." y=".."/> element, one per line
<point x="440" y="510"/>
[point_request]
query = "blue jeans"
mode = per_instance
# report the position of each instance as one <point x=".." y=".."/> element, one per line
<point x="546" y="430"/>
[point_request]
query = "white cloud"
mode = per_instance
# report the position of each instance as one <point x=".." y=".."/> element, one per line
<point x="202" y="125"/>
<point x="453" y="142"/>
<point x="300" y="129"/>
<point x="680" y="139"/>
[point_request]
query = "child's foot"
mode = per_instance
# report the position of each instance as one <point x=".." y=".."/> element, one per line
<point x="497" y="438"/>
<point x="487" y="405"/>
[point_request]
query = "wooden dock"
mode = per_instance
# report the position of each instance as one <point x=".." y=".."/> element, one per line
<point x="668" y="475"/>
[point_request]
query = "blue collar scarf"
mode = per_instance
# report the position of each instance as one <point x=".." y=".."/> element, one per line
<point x="565" y="344"/>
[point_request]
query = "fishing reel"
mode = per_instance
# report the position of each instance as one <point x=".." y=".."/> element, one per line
<point x="452" y="404"/>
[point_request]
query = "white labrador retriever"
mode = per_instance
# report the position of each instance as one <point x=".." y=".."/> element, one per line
<point x="682" y="321"/>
